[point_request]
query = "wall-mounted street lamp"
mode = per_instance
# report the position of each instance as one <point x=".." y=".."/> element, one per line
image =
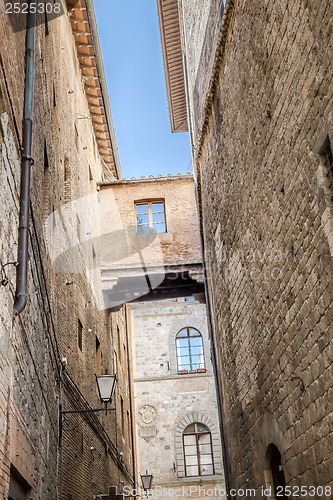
<point x="106" y="387"/>
<point x="146" y="480"/>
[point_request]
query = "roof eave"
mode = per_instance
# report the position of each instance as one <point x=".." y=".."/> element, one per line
<point x="174" y="71"/>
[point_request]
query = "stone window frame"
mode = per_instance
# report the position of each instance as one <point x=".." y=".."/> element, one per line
<point x="174" y="330"/>
<point x="196" y="434"/>
<point x="201" y="418"/>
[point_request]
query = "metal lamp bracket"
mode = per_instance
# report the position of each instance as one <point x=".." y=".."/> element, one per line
<point x="4" y="279"/>
<point x="71" y="412"/>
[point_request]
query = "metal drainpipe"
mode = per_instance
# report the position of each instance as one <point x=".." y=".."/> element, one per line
<point x="130" y="382"/>
<point x="27" y="161"/>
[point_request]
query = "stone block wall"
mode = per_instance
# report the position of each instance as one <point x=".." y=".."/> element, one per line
<point x="261" y="132"/>
<point x="167" y="402"/>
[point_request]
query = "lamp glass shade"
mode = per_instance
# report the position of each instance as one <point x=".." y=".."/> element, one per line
<point x="106" y="386"/>
<point x="146" y="481"/>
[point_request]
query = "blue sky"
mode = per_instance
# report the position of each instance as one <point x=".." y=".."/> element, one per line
<point x="132" y="55"/>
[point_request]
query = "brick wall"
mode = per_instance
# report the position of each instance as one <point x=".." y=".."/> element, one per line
<point x="180" y="244"/>
<point x="267" y="232"/>
<point x="28" y="362"/>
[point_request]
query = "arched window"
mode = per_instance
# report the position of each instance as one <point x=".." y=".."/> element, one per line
<point x="198" y="453"/>
<point x="274" y="475"/>
<point x="190" y="351"/>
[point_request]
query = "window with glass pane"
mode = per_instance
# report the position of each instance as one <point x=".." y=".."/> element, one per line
<point x="190" y="351"/>
<point x="142" y="218"/>
<point x="150" y="217"/>
<point x="198" y="452"/>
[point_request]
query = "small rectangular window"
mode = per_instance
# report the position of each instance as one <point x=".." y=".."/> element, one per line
<point x="150" y="217"/>
<point x="122" y="415"/>
<point x="119" y="344"/>
<point x="46" y="184"/>
<point x="79" y="335"/>
<point x="98" y="357"/>
<point x="128" y="428"/>
<point x="47" y="31"/>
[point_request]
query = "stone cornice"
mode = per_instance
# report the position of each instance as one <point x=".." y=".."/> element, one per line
<point x="174" y="377"/>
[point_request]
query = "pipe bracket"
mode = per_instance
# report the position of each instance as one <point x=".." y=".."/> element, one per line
<point x="4" y="279"/>
<point x="27" y="157"/>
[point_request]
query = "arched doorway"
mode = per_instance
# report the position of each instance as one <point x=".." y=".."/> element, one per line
<point x="274" y="474"/>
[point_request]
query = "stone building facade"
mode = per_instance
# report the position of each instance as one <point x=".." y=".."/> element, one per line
<point x="151" y="251"/>
<point x="258" y="78"/>
<point x="170" y="398"/>
<point x="155" y="254"/>
<point x="51" y="353"/>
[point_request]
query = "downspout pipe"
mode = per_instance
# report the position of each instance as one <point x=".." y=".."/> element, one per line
<point x="130" y="387"/>
<point x="21" y="294"/>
